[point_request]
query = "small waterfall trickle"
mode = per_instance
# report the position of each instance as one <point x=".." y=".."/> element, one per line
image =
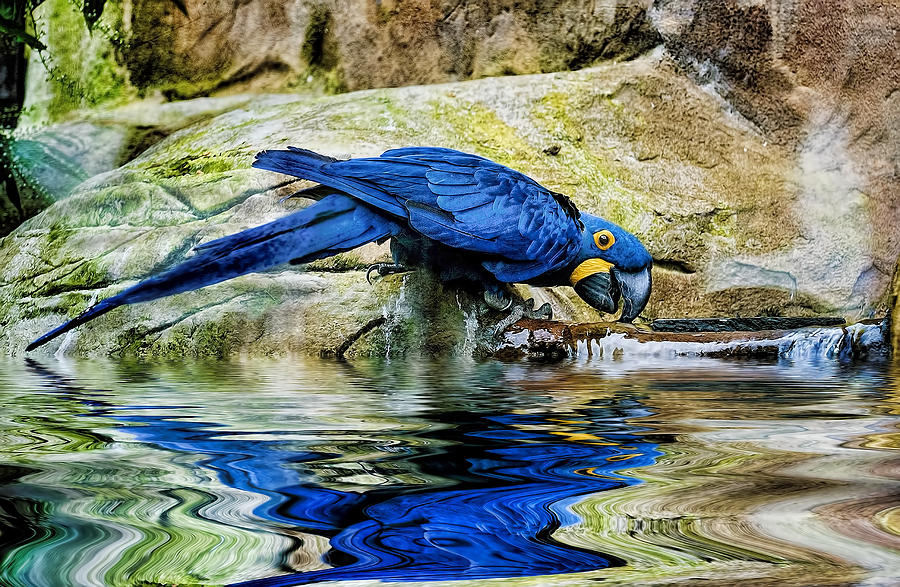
<point x="395" y="315"/>
<point x="469" y="344"/>
<point x="856" y="341"/>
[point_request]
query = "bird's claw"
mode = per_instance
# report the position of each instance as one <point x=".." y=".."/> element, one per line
<point x="383" y="269"/>
<point x="521" y="310"/>
<point x="545" y="312"/>
<point x="498" y="300"/>
<point x="502" y="301"/>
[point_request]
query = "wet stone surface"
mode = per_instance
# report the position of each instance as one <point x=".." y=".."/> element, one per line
<point x="550" y="341"/>
<point x="743" y="324"/>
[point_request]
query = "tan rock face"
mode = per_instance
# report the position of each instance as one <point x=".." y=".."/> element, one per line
<point x="823" y="80"/>
<point x="357" y="44"/>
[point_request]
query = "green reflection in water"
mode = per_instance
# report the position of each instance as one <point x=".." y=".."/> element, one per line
<point x="771" y="472"/>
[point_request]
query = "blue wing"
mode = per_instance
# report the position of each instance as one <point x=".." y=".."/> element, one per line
<point x="461" y="200"/>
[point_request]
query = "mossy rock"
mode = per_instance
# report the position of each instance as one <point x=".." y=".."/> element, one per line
<point x="49" y="162"/>
<point x="636" y="142"/>
<point x="895" y="314"/>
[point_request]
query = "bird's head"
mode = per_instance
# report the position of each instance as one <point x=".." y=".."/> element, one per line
<point x="612" y="263"/>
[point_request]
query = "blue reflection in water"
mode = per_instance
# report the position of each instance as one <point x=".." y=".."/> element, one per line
<point x="510" y="481"/>
<point x="512" y="491"/>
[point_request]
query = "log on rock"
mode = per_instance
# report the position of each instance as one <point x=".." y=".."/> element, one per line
<point x="551" y="340"/>
<point x="743" y="324"/>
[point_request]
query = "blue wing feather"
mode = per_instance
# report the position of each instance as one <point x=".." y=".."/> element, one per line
<point x="439" y="177"/>
<point x="461" y="200"/>
<point x="453" y="189"/>
<point x="457" y="204"/>
<point x="312" y="166"/>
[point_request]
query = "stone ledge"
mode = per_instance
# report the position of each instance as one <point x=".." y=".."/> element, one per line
<point x="550" y="340"/>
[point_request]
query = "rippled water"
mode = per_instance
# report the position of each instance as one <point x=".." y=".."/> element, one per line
<point x="681" y="470"/>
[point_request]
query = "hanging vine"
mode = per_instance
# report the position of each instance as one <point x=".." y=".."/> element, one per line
<point x="21" y="28"/>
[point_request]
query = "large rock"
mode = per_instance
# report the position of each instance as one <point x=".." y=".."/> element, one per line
<point x="150" y="46"/>
<point x="363" y="44"/>
<point x="717" y="203"/>
<point x="822" y="79"/>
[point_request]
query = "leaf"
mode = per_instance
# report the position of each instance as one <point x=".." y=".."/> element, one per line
<point x="92" y="10"/>
<point x="181" y="6"/>
<point x="20" y="35"/>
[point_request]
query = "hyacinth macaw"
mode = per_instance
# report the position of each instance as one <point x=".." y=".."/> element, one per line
<point x="462" y="216"/>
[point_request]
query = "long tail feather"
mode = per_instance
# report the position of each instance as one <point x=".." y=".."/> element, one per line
<point x="335" y="224"/>
<point x="315" y="167"/>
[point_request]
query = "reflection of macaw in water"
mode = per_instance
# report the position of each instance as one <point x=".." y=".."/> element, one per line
<point x="513" y="484"/>
<point x="511" y="479"/>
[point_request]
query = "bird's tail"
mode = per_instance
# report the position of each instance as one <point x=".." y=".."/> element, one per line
<point x="335" y="224"/>
<point x="327" y="171"/>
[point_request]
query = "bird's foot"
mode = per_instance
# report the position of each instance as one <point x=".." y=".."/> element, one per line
<point x="383" y="269"/>
<point x="544" y="312"/>
<point x="502" y="301"/>
<point x="499" y="300"/>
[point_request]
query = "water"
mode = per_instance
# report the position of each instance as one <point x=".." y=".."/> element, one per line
<point x="630" y="471"/>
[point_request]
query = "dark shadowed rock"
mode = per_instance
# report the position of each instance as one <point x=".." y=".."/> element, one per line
<point x="894" y="317"/>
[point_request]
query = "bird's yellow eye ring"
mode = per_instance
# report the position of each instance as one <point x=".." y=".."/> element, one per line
<point x="604" y="239"/>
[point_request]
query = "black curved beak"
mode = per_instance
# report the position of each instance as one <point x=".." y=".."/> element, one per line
<point x="602" y="290"/>
<point x="635" y="291"/>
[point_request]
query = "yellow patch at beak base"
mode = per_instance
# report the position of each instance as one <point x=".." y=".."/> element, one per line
<point x="589" y="267"/>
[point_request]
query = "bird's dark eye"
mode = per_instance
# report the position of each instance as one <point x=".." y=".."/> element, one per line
<point x="604" y="239"/>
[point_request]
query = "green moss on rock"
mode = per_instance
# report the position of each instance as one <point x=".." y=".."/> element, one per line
<point x="83" y="70"/>
<point x="338" y="263"/>
<point x="196" y="162"/>
<point x="479" y="128"/>
<point x="86" y="275"/>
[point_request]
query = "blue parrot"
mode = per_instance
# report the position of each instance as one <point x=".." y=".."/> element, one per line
<point x="464" y="217"/>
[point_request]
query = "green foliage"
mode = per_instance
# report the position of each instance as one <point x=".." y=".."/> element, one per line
<point x="92" y="10"/>
<point x="12" y="27"/>
<point x="10" y="30"/>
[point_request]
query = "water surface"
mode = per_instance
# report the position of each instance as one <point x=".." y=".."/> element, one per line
<point x="286" y="472"/>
